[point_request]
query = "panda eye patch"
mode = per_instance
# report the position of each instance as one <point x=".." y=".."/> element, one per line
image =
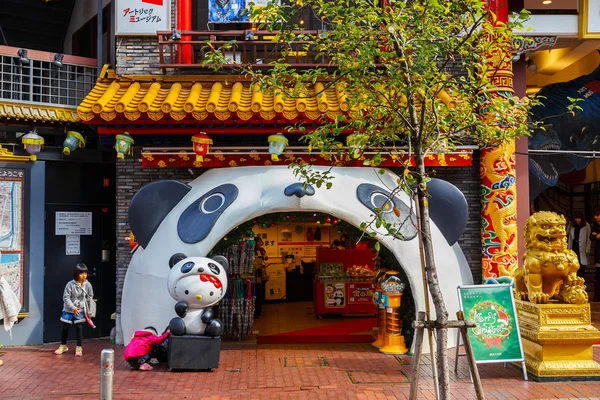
<point x="376" y="198"/>
<point x="187" y="267"/>
<point x="214" y="269"/>
<point x="198" y="219"/>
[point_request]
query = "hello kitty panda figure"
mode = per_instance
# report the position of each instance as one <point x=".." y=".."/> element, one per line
<point x="196" y="283"/>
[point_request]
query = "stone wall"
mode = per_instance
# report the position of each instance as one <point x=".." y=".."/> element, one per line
<point x="467" y="180"/>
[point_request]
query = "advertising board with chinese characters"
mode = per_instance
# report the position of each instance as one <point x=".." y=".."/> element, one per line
<point x="496" y="337"/>
<point x="361" y="292"/>
<point x="142" y="17"/>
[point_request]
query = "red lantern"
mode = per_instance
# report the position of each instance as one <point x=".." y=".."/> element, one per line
<point x="202" y="144"/>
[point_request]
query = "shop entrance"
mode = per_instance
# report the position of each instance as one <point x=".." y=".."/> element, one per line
<point x="312" y="276"/>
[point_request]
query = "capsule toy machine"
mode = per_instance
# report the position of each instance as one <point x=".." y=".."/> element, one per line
<point x="345" y="282"/>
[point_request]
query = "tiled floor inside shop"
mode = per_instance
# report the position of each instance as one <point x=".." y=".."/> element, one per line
<point x="284" y="318"/>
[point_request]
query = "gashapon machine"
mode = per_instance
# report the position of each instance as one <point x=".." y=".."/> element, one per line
<point x="377" y="296"/>
<point x="345" y="282"/>
<point x="391" y="298"/>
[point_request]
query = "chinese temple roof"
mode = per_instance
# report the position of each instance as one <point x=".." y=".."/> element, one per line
<point x="13" y="111"/>
<point x="143" y="98"/>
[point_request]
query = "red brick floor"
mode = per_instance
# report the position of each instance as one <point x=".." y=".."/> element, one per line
<point x="317" y="371"/>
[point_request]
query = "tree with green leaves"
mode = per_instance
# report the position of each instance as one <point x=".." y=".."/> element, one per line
<point x="417" y="79"/>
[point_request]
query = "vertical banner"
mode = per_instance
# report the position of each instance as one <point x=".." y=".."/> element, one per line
<point x="496" y="338"/>
<point x="142" y="17"/>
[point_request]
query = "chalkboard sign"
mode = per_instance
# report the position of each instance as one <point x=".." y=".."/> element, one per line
<point x="496" y="338"/>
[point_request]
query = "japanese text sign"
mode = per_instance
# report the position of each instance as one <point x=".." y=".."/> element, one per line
<point x="142" y="17"/>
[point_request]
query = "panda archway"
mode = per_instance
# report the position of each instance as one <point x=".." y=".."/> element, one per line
<point x="170" y="217"/>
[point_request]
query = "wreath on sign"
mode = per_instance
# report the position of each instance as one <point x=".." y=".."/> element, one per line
<point x="494" y="324"/>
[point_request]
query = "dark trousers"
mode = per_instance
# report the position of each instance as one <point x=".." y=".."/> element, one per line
<point x="65" y="333"/>
<point x="136" y="362"/>
<point x="260" y="298"/>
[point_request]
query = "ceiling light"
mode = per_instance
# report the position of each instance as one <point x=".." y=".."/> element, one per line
<point x="547" y="2"/>
<point x="58" y="58"/>
<point x="23" y="60"/>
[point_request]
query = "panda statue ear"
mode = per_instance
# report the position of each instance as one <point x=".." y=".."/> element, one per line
<point x="223" y="261"/>
<point x="175" y="258"/>
<point x="151" y="204"/>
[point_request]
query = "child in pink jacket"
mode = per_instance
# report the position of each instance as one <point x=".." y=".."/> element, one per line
<point x="140" y="349"/>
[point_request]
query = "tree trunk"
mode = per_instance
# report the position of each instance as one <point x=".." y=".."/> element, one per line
<point x="432" y="277"/>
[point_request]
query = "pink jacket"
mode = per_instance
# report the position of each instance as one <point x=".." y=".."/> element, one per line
<point x="142" y="344"/>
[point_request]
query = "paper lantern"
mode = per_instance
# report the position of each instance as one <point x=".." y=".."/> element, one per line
<point x="277" y="144"/>
<point x="33" y="144"/>
<point x="202" y="144"/>
<point x="356" y="143"/>
<point x="73" y="142"/>
<point x="123" y="145"/>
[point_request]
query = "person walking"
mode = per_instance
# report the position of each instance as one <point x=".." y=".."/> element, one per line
<point x="579" y="239"/>
<point x="77" y="292"/>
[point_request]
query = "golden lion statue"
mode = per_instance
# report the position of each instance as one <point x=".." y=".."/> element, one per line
<point x="549" y="268"/>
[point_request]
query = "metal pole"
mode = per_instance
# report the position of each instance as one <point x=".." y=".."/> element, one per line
<point x="107" y="370"/>
<point x="99" y="37"/>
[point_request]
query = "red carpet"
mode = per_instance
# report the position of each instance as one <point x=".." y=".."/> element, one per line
<point x="345" y="332"/>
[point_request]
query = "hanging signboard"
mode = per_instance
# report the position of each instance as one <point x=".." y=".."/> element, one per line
<point x="142" y="17"/>
<point x="496" y="338"/>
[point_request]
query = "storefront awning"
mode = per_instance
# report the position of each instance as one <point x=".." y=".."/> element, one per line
<point x="19" y="112"/>
<point x="200" y="98"/>
<point x="220" y="157"/>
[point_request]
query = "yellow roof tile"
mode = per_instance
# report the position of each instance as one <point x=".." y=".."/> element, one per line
<point x="168" y="98"/>
<point x="36" y="113"/>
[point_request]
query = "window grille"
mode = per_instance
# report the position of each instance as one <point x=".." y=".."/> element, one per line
<point x="43" y="83"/>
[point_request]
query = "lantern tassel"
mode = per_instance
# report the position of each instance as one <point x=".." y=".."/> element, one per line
<point x="274" y="157"/>
<point x="199" y="159"/>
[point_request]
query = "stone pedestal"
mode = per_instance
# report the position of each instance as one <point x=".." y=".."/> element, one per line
<point x="557" y="340"/>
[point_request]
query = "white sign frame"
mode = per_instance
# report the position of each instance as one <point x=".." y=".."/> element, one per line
<point x="518" y="330"/>
<point x="72" y="245"/>
<point x="143" y="29"/>
<point x="589" y="19"/>
<point x="73" y="223"/>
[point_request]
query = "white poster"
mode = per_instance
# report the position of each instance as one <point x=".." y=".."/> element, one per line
<point x="275" y="286"/>
<point x="73" y="223"/>
<point x="73" y="245"/>
<point x="142" y="17"/>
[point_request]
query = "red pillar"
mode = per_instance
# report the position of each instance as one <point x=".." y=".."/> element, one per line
<point x="184" y="23"/>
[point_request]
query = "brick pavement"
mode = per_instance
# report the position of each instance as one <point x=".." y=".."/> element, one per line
<point x="318" y="371"/>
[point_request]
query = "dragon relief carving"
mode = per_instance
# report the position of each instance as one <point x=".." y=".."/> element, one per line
<point x="500" y="208"/>
<point x="549" y="268"/>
